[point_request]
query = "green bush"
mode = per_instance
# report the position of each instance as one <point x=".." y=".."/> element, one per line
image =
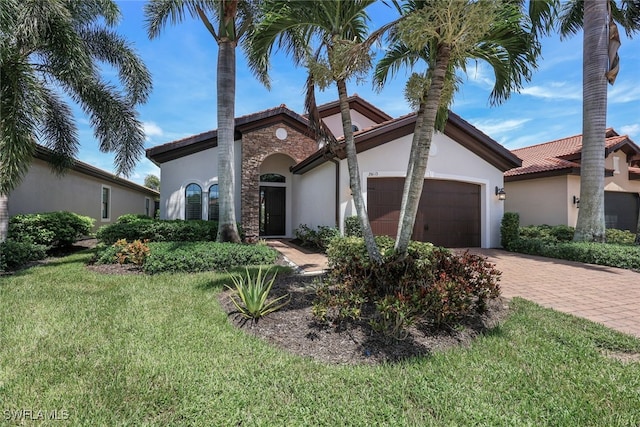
<point x="158" y="230"/>
<point x="15" y="254"/>
<point x="509" y="229"/>
<point x="127" y="218"/>
<point x="319" y="238"/>
<point x="204" y="256"/>
<point x="49" y="229"/>
<point x="620" y="237"/>
<point x="555" y="242"/>
<point x="352" y="226"/>
<point x="250" y="295"/>
<point x="429" y="285"/>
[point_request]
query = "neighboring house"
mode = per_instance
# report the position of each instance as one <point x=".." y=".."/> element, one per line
<point x="546" y="188"/>
<point x="284" y="178"/>
<point x="83" y="189"/>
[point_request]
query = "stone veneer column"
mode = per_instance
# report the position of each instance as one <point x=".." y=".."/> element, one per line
<point x="256" y="146"/>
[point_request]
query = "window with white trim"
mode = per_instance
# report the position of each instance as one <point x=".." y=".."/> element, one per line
<point x="106" y="203"/>
<point x="214" y="207"/>
<point x="193" y="202"/>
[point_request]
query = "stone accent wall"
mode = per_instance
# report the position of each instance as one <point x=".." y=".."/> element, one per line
<point x="257" y="146"/>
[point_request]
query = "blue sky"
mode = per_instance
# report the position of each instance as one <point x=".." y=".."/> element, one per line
<point x="182" y="61"/>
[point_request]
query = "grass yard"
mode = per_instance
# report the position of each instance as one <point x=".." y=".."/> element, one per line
<point x="158" y="350"/>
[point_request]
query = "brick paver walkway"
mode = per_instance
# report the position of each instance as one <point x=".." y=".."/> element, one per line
<point x="606" y="295"/>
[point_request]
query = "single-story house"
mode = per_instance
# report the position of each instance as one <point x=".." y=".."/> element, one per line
<point x="83" y="189"/>
<point x="546" y="188"/>
<point x="284" y="178"/>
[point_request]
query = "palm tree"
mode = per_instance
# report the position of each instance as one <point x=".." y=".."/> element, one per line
<point x="331" y="39"/>
<point x="50" y="48"/>
<point x="598" y="19"/>
<point x="234" y="23"/>
<point x="446" y="35"/>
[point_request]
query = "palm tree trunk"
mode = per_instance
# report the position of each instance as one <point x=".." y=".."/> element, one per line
<point x="420" y="146"/>
<point x="354" y="175"/>
<point x="590" y="225"/>
<point x="226" y="84"/>
<point x="4" y="217"/>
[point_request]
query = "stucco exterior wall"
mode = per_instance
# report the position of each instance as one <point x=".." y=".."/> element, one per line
<point x="314" y="200"/>
<point x="448" y="160"/>
<point x="199" y="168"/>
<point x="542" y="201"/>
<point x="334" y="122"/>
<point x="43" y="191"/>
<point x="620" y="179"/>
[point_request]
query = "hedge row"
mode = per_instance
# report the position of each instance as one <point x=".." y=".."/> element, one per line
<point x="177" y="257"/>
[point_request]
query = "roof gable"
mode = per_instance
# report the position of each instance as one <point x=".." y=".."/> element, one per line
<point x="456" y="128"/>
<point x="203" y="141"/>
<point x="358" y="104"/>
<point x="563" y="156"/>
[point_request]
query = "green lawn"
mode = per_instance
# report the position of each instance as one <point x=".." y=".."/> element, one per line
<point x="158" y="350"/>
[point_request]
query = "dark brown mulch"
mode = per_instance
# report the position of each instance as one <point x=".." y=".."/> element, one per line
<point x="294" y="329"/>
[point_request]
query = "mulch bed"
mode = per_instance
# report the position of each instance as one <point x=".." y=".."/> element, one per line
<point x="294" y="329"/>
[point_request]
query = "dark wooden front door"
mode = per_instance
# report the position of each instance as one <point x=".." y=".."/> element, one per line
<point x="448" y="214"/>
<point x="272" y="211"/>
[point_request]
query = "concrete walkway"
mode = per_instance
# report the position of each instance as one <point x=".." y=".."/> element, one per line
<point x="607" y="295"/>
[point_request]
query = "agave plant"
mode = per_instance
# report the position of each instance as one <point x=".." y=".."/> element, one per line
<point x="250" y="294"/>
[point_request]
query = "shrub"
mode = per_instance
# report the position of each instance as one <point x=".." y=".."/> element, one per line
<point x="15" y="254"/>
<point x="49" y="229"/>
<point x="509" y="229"/>
<point x="127" y="218"/>
<point x="204" y="256"/>
<point x="319" y="239"/>
<point x="352" y="226"/>
<point x="429" y="285"/>
<point x="158" y="231"/>
<point x="620" y="237"/>
<point x="135" y="252"/>
<point x="251" y="293"/>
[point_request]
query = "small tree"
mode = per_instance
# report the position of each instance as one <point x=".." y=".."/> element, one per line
<point x="153" y="182"/>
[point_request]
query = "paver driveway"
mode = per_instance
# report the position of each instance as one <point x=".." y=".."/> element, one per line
<point x="606" y="295"/>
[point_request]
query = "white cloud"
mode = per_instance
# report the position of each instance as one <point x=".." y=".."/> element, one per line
<point x="494" y="128"/>
<point x="624" y="93"/>
<point x="151" y="129"/>
<point x="633" y="129"/>
<point x="554" y="90"/>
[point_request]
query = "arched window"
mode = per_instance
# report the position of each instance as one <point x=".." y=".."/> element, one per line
<point x="214" y="208"/>
<point x="193" y="202"/>
<point x="272" y="177"/>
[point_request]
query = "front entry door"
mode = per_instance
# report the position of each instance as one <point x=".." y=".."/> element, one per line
<point x="272" y="211"/>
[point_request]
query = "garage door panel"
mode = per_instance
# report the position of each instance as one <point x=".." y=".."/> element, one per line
<point x="448" y="215"/>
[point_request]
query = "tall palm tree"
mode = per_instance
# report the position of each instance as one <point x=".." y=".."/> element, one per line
<point x="54" y="47"/>
<point x="446" y="35"/>
<point x="597" y="19"/>
<point x="332" y="40"/>
<point x="235" y="20"/>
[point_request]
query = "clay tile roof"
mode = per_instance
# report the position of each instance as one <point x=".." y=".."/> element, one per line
<point x="561" y="154"/>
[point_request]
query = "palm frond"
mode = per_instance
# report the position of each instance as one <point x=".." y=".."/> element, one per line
<point x="58" y="131"/>
<point x="570" y="17"/>
<point x="109" y="47"/>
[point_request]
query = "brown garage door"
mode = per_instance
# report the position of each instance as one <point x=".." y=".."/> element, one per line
<point x="449" y="212"/>
<point x="621" y="210"/>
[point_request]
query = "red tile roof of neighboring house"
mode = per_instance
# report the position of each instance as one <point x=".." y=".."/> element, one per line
<point x="564" y="155"/>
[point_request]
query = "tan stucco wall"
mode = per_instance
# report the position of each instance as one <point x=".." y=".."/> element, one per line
<point x="620" y="179"/>
<point x="540" y="201"/>
<point x="43" y="191"/>
<point x="314" y="200"/>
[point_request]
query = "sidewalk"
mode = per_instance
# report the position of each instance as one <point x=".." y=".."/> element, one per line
<point x="607" y="295"/>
